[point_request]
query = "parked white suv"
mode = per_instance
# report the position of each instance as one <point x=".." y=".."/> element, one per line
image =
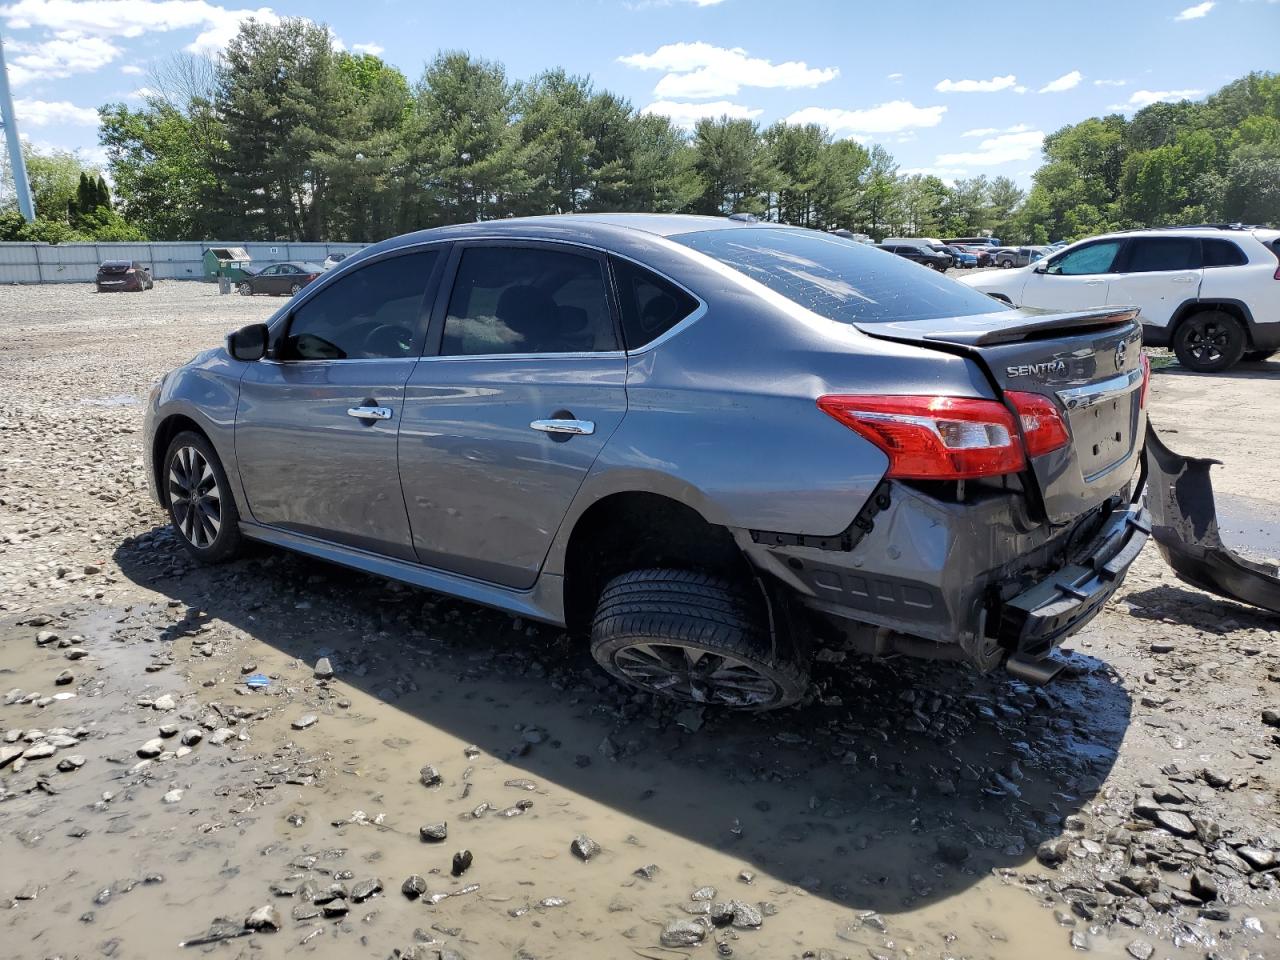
<point x="1212" y="293"/>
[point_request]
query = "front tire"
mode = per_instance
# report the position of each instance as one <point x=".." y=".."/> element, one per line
<point x="693" y="637"/>
<point x="1209" y="342"/>
<point x="201" y="507"/>
<point x="246" y="289"/>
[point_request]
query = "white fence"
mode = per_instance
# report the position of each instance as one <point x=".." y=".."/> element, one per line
<point x="78" y="262"/>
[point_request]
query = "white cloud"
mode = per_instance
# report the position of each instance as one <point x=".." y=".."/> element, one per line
<point x="223" y="27"/>
<point x="1005" y="148"/>
<point x="697" y="70"/>
<point x="988" y="131"/>
<point x="976" y="86"/>
<point x="66" y="54"/>
<point x="947" y="175"/>
<point x="1196" y="12"/>
<point x="132" y="70"/>
<point x="688" y="114"/>
<point x="1110" y="83"/>
<point x="1144" y="98"/>
<point x="888" y="117"/>
<point x="1019" y="89"/>
<point x="44" y="113"/>
<point x="142" y="93"/>
<point x="1065" y="82"/>
<point x="133" y="18"/>
<point x="372" y="49"/>
<point x="894" y="77"/>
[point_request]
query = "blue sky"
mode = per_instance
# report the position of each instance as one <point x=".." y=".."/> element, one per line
<point x="957" y="89"/>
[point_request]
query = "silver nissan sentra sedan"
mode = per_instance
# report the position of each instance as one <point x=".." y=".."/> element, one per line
<point x="711" y="445"/>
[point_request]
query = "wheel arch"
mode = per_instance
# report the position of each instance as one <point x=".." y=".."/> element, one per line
<point x="166" y="430"/>
<point x="1236" y="308"/>
<point x="634" y="529"/>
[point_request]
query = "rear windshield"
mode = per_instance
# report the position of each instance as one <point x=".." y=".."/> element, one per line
<point x="840" y="279"/>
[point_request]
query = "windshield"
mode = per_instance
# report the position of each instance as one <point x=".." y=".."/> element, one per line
<point x="837" y="278"/>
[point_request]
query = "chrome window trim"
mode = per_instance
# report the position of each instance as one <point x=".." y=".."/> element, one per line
<point x="294" y="363"/>
<point x="579" y="355"/>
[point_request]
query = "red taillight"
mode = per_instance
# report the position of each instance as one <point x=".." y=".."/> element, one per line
<point x="934" y="438"/>
<point x="1145" y="363"/>
<point x="1042" y="428"/>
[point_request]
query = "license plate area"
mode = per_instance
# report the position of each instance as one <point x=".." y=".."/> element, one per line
<point x="1103" y="435"/>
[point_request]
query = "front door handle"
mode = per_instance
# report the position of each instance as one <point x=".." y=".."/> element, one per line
<point x="1184" y="279"/>
<point x="1094" y="283"/>
<point x="369" y="413"/>
<point x="577" y="428"/>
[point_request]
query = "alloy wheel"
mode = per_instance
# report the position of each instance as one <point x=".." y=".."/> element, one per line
<point x="194" y="497"/>
<point x="1207" y="341"/>
<point x="695" y="675"/>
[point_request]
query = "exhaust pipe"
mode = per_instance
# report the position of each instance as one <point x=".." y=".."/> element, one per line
<point x="1035" y="672"/>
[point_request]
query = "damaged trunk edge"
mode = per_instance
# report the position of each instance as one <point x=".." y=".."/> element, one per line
<point x="1185" y="527"/>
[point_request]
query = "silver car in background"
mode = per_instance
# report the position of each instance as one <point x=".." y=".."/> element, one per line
<point x="710" y="445"/>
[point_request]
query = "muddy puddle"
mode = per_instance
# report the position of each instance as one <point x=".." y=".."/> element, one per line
<point x="1249" y="526"/>
<point x="898" y="816"/>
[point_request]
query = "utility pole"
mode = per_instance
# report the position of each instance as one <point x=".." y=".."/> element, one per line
<point x="17" y="166"/>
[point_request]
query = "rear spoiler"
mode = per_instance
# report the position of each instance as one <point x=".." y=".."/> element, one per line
<point x="1006" y="326"/>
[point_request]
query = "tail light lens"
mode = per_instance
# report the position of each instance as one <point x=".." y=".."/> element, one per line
<point x="934" y="438"/>
<point x="1042" y="428"/>
<point x="131" y="271"/>
<point x="1146" y="378"/>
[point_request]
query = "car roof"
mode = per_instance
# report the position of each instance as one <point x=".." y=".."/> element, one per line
<point x="1195" y="230"/>
<point x="585" y="226"/>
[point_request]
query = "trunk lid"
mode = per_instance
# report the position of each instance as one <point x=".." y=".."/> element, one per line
<point x="1088" y="362"/>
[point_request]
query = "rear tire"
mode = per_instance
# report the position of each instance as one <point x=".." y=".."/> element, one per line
<point x="1258" y="356"/>
<point x="201" y="506"/>
<point x="295" y="289"/>
<point x="1209" y="341"/>
<point x="693" y="637"/>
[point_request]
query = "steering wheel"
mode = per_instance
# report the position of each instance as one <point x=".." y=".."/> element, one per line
<point x="388" y="340"/>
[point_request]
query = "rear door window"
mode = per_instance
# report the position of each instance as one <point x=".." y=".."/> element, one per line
<point x="837" y="278"/>
<point x="1155" y="254"/>
<point x="510" y="300"/>
<point x="649" y="304"/>
<point x="1222" y="253"/>
<point x="1093" y="258"/>
<point x="372" y="313"/>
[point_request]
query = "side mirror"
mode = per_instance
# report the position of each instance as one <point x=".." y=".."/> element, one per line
<point x="1041" y="267"/>
<point x="248" y="343"/>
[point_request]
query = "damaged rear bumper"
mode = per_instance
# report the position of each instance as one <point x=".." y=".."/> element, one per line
<point x="1185" y="528"/>
<point x="980" y="581"/>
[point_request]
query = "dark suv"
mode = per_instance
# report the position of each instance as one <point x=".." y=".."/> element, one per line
<point x="691" y="438"/>
<point x="116" y="275"/>
<point x="940" y="260"/>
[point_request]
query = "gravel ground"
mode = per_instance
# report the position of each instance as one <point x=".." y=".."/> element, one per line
<point x="424" y="778"/>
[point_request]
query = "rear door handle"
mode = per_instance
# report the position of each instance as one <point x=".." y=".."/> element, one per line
<point x="577" y="428"/>
<point x="369" y="413"/>
<point x="1094" y="283"/>
<point x="1184" y="279"/>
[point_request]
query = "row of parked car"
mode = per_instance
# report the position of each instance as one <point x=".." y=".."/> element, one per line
<point x="965" y="252"/>
<point x="277" y="279"/>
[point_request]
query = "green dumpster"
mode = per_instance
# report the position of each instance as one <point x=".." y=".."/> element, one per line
<point x="229" y="262"/>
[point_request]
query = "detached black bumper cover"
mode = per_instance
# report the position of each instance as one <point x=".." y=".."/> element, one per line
<point x="1185" y="527"/>
<point x="1036" y="620"/>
